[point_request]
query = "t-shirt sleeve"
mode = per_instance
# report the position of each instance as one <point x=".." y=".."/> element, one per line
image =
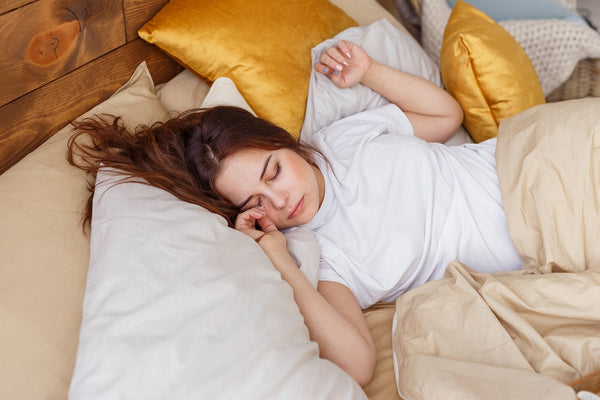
<point x="327" y="273"/>
<point x="387" y="119"/>
<point x="341" y="140"/>
<point x="364" y="297"/>
<point x="390" y="116"/>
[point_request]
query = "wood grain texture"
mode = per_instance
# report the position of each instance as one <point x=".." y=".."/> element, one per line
<point x="138" y="12"/>
<point x="46" y="39"/>
<point x="9" y="5"/>
<point x="30" y="120"/>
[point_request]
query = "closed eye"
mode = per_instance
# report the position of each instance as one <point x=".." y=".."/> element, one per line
<point x="277" y="170"/>
<point x="251" y="202"/>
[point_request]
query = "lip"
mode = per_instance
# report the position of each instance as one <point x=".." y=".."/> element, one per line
<point x="297" y="208"/>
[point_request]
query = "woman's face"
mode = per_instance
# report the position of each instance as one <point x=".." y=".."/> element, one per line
<point x="285" y="184"/>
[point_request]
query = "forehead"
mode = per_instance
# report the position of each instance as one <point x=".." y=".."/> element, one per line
<point x="243" y="161"/>
<point x="240" y="171"/>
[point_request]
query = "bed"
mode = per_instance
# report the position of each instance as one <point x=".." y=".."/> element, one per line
<point x="152" y="302"/>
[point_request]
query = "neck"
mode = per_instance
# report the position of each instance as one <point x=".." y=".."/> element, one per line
<point x="320" y="183"/>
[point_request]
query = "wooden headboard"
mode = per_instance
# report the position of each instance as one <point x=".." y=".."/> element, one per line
<point x="62" y="57"/>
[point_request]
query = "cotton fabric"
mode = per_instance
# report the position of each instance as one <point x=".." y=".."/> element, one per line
<point x="175" y="295"/>
<point x="536" y="329"/>
<point x="397" y="209"/>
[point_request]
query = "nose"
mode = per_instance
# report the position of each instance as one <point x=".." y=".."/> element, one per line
<point x="279" y="198"/>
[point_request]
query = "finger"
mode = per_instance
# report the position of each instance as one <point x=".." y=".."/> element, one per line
<point x="267" y="225"/>
<point x="324" y="69"/>
<point x="343" y="51"/>
<point x="243" y="221"/>
<point x="329" y="61"/>
<point x="247" y="219"/>
<point x="252" y="232"/>
<point x="345" y="48"/>
<point x="337" y="55"/>
<point x="339" y="81"/>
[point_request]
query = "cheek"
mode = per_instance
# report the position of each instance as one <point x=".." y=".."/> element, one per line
<point x="300" y="172"/>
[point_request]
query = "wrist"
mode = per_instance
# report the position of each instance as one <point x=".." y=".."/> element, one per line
<point x="369" y="78"/>
<point x="275" y="249"/>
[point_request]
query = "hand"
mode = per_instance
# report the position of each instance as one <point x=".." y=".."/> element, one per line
<point x="269" y="237"/>
<point x="346" y="64"/>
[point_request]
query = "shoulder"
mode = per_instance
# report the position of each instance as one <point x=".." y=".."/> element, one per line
<point x="389" y="115"/>
<point x="364" y="125"/>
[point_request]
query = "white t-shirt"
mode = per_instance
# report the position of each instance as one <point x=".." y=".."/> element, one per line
<point x="397" y="209"/>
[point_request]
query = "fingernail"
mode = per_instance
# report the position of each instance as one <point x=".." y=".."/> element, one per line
<point x="325" y="69"/>
<point x="345" y="63"/>
<point x="339" y="67"/>
<point x="348" y="55"/>
<point x="336" y="72"/>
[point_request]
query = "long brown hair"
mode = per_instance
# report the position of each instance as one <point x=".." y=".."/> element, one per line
<point x="182" y="155"/>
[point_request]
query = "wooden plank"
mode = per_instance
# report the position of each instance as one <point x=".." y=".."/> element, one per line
<point x="9" y="5"/>
<point x="28" y="121"/>
<point x="138" y="12"/>
<point x="48" y="38"/>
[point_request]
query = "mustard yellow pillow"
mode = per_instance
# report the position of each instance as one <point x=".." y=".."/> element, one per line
<point x="486" y="70"/>
<point x="263" y="46"/>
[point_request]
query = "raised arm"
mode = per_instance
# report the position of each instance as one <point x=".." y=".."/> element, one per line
<point x="331" y="313"/>
<point x="434" y="114"/>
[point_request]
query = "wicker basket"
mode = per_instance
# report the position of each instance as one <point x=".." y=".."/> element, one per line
<point x="583" y="82"/>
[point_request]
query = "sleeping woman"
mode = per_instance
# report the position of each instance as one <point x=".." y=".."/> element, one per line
<point x="389" y="204"/>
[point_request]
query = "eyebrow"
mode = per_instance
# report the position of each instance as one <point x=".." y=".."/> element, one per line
<point x="262" y="175"/>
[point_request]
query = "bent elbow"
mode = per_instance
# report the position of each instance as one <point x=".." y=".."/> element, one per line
<point x="453" y="121"/>
<point x="363" y="367"/>
<point x="458" y="116"/>
<point x="449" y="126"/>
<point x="364" y="378"/>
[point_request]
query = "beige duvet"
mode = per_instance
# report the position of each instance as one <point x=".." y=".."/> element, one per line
<point x="525" y="334"/>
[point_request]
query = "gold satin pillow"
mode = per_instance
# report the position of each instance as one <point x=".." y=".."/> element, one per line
<point x="486" y="70"/>
<point x="263" y="46"/>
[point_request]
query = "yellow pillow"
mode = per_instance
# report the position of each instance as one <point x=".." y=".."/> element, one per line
<point x="486" y="70"/>
<point x="263" y="46"/>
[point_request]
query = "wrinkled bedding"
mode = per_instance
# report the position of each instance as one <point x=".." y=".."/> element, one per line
<point x="523" y="334"/>
<point x="528" y="333"/>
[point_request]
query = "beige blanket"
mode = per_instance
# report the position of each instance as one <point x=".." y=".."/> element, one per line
<point x="525" y="334"/>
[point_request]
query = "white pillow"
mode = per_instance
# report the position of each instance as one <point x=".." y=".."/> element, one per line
<point x="44" y="253"/>
<point x="223" y="92"/>
<point x="178" y="305"/>
<point x="186" y="91"/>
<point x="385" y="43"/>
<point x="182" y="92"/>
